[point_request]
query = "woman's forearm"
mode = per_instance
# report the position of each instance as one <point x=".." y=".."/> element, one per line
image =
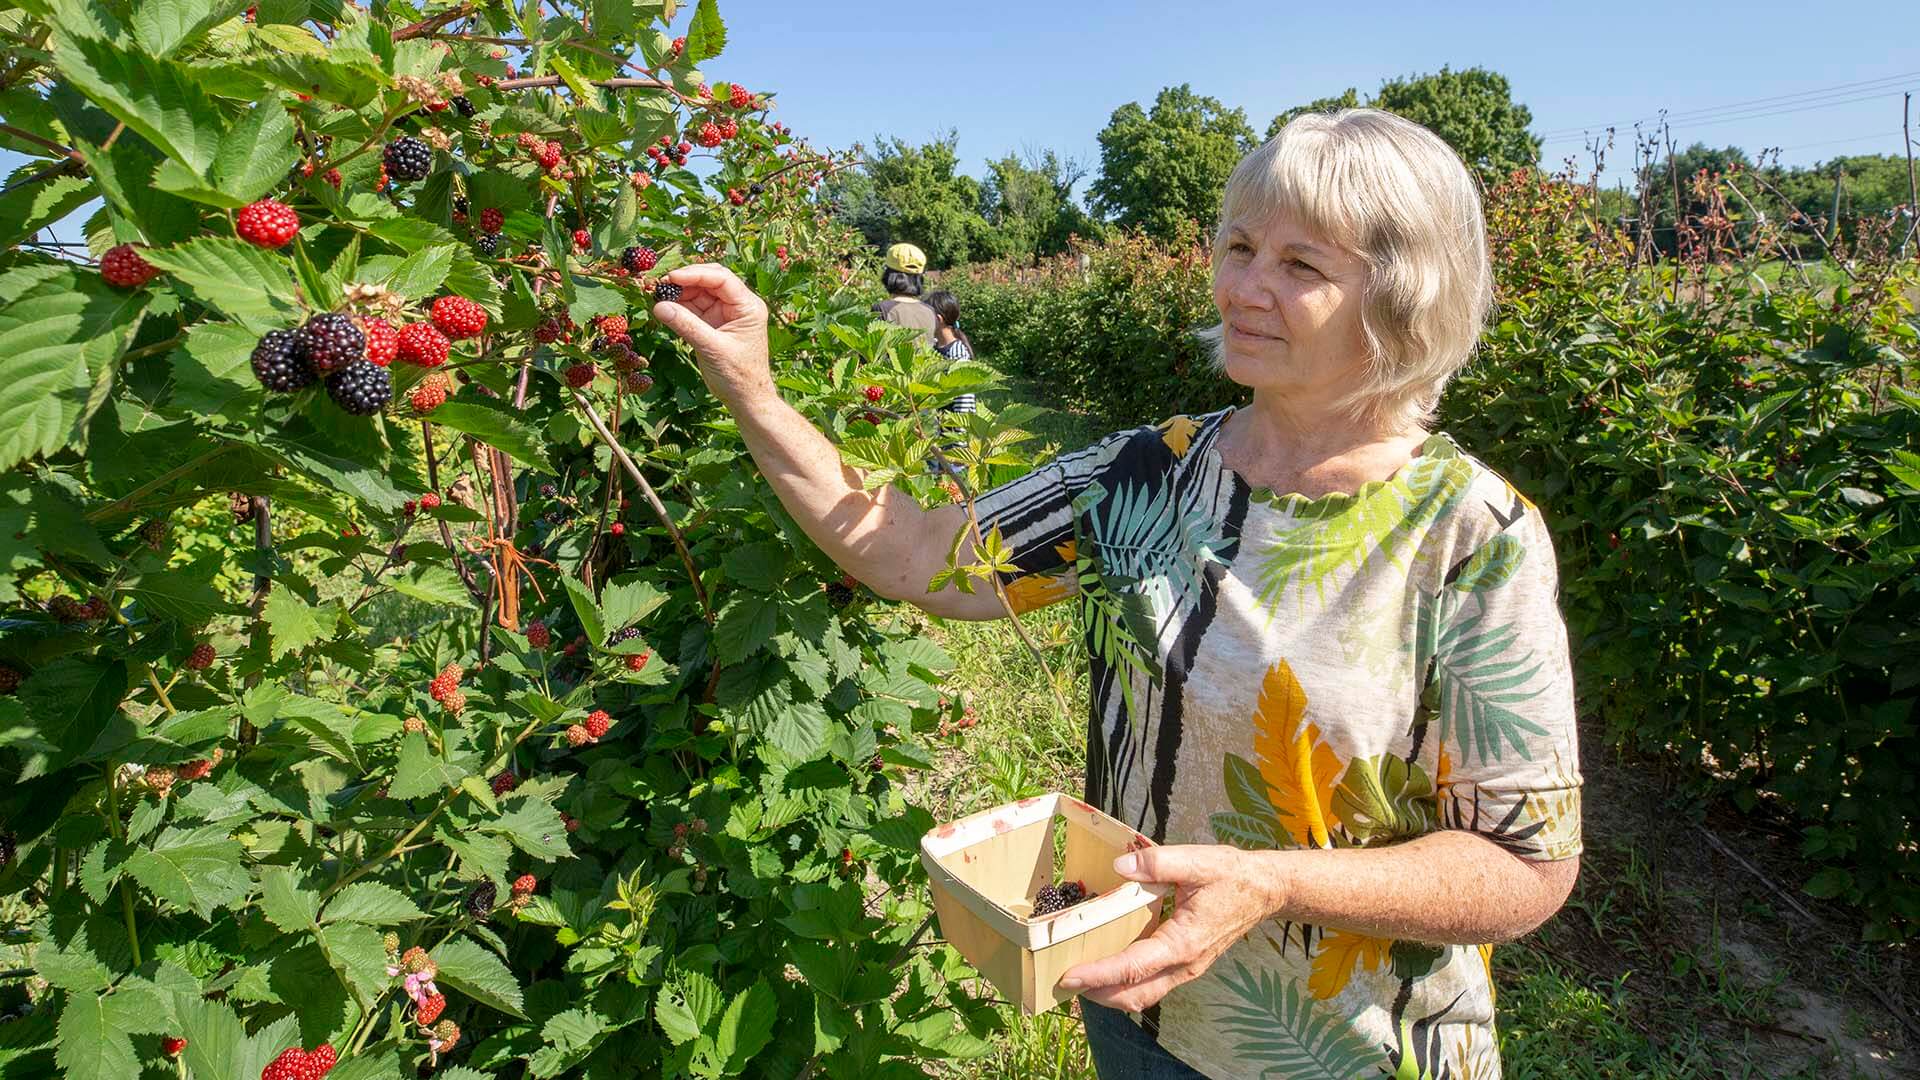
<point x="881" y="536"/>
<point x="1449" y="887"/>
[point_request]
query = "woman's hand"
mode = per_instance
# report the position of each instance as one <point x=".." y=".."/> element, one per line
<point x="727" y="326"/>
<point x="1221" y="894"/>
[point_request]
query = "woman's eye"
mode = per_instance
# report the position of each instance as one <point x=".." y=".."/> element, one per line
<point x="1302" y="265"/>
<point x="1239" y="247"/>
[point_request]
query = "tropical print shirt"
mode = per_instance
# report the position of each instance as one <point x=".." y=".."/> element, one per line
<point x="1274" y="671"/>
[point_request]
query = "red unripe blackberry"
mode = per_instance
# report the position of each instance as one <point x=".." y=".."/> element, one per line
<point x="874" y="394"/>
<point x="577" y="736"/>
<point x="709" y="135"/>
<point x="383" y="340"/>
<point x="429" y="1010"/>
<point x="332" y="341"/>
<point x="679" y="46"/>
<point x="735" y="197"/>
<point x="280" y="362"/>
<point x="666" y="291"/>
<point x="639" y="382"/>
<point x="429" y="394"/>
<point x="505" y="782"/>
<point x="202" y="657"/>
<point x="333" y="177"/>
<point x="360" y="388"/>
<point x="430" y="501"/>
<point x="639" y="260"/>
<point x="740" y="97"/>
<point x="524" y="885"/>
<point x="729" y="127"/>
<point x="491" y="219"/>
<point x="421" y="344"/>
<point x="407" y="158"/>
<point x="617" y="529"/>
<point x="172" y="1045"/>
<point x="537" y="635"/>
<point x="638" y="661"/>
<point x="683" y="150"/>
<point x="580" y="375"/>
<point x="268" y="223"/>
<point x="582" y="239"/>
<point x="123" y="268"/>
<point x="598" y="723"/>
<point x="9" y="682"/>
<point x="458" y="317"/>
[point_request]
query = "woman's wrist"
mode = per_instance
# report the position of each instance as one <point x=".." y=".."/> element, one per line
<point x="1272" y="877"/>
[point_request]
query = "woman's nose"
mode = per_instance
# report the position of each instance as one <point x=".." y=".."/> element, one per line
<point x="1248" y="289"/>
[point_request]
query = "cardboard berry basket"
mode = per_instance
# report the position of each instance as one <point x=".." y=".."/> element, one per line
<point x="985" y="870"/>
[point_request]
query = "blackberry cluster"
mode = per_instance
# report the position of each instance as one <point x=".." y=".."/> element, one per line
<point x="625" y="633"/>
<point x="331" y="342"/>
<point x="489" y="244"/>
<point x="839" y="595"/>
<point x="666" y="290"/>
<point x="463" y="105"/>
<point x="460" y="204"/>
<point x="408" y="158"/>
<point x="480" y="900"/>
<point x="280" y="362"/>
<point x="360" y="388"/>
<point x="1052" y="898"/>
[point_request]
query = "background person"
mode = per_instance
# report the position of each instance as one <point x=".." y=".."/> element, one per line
<point x="1329" y="672"/>
<point x="951" y="342"/>
<point x="903" y="278"/>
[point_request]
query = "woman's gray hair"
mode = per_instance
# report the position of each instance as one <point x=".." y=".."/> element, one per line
<point x="1392" y="193"/>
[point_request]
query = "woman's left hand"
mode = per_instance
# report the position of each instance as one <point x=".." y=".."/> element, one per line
<point x="1221" y="893"/>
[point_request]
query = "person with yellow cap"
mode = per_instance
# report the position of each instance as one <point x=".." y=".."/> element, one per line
<point x="904" y="283"/>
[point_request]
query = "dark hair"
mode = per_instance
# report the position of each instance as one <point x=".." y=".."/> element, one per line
<point x="900" y="283"/>
<point x="944" y="305"/>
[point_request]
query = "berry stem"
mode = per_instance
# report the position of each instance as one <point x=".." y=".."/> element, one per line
<point x="159" y="691"/>
<point x="120" y="833"/>
<point x="653" y="500"/>
<point x="446" y="534"/>
<point x="126" y="504"/>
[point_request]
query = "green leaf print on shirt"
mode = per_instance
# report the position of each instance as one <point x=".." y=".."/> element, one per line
<point x="1385" y="798"/>
<point x="1479" y="672"/>
<point x="1341" y="532"/>
<point x="1281" y="1030"/>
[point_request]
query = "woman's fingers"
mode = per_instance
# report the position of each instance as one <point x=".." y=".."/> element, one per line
<point x="696" y="330"/>
<point x="1140" y="962"/>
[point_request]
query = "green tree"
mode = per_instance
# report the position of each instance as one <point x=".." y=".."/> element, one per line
<point x="1028" y="200"/>
<point x="1472" y="110"/>
<point x="1163" y="168"/>
<point x="917" y="194"/>
<point x="1350" y="99"/>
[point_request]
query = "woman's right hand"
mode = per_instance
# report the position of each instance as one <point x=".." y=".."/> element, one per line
<point x="727" y="326"/>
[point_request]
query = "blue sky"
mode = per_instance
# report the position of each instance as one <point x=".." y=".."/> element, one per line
<point x="1048" y="74"/>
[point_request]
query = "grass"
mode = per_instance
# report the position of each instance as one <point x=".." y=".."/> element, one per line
<point x="1667" y="962"/>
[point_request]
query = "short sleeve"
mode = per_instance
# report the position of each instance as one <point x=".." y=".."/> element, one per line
<point x="1035" y="517"/>
<point x="1502" y="686"/>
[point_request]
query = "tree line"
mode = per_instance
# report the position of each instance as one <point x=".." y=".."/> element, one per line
<point x="1162" y="167"/>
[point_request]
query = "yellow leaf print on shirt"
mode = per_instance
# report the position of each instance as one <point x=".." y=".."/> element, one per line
<point x="1177" y="433"/>
<point x="1339" y="951"/>
<point x="1035" y="591"/>
<point x="1299" y="769"/>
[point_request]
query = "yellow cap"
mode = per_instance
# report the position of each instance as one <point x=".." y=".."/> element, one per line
<point x="906" y="258"/>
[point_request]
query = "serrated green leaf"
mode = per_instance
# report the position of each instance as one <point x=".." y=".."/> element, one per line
<point x="497" y="425"/>
<point x="627" y="602"/>
<point x="419" y="275"/>
<point x="433" y="584"/>
<point x="90" y="1044"/>
<point x="706" y="34"/>
<point x="186" y="594"/>
<point x="197" y="869"/>
<point x="213" y="372"/>
<point x="760" y="566"/>
<point x="292" y="624"/>
<point x="744" y="626"/>
<point x="70" y="702"/>
<point x="373" y="903"/>
<point x="420" y="771"/>
<point x="746" y="1025"/>
<point x="256" y="155"/>
<point x="534" y="827"/>
<point x="476" y="972"/>
<point x="285" y="903"/>
<point x="800" y="730"/>
<point x="25" y="211"/>
<point x="239" y="279"/>
<point x="357" y="953"/>
<point x="155" y="97"/>
<point x="162" y="26"/>
<point x="60" y="331"/>
<point x="587" y="609"/>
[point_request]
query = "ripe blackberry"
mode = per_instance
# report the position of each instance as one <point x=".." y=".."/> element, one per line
<point x="360" y="388"/>
<point x="489" y="244"/>
<point x="666" y="291"/>
<point x="580" y="376"/>
<point x="331" y="342"/>
<point x="638" y="260"/>
<point x="639" y="382"/>
<point x="463" y="106"/>
<point x="7" y="848"/>
<point x="756" y="189"/>
<point x="480" y="900"/>
<point x="838" y="595"/>
<point x="9" y="679"/>
<point x="407" y="158"/>
<point x="1048" y="900"/>
<point x="460" y="205"/>
<point x="280" y="362"/>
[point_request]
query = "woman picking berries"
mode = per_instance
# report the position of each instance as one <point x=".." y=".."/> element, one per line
<point x="1329" y="673"/>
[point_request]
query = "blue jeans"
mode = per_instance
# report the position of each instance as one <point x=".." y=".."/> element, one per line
<point x="1123" y="1050"/>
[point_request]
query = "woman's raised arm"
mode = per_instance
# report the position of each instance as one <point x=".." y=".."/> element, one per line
<point x="882" y="536"/>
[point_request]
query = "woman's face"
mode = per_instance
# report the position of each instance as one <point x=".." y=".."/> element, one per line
<point x="1290" y="308"/>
